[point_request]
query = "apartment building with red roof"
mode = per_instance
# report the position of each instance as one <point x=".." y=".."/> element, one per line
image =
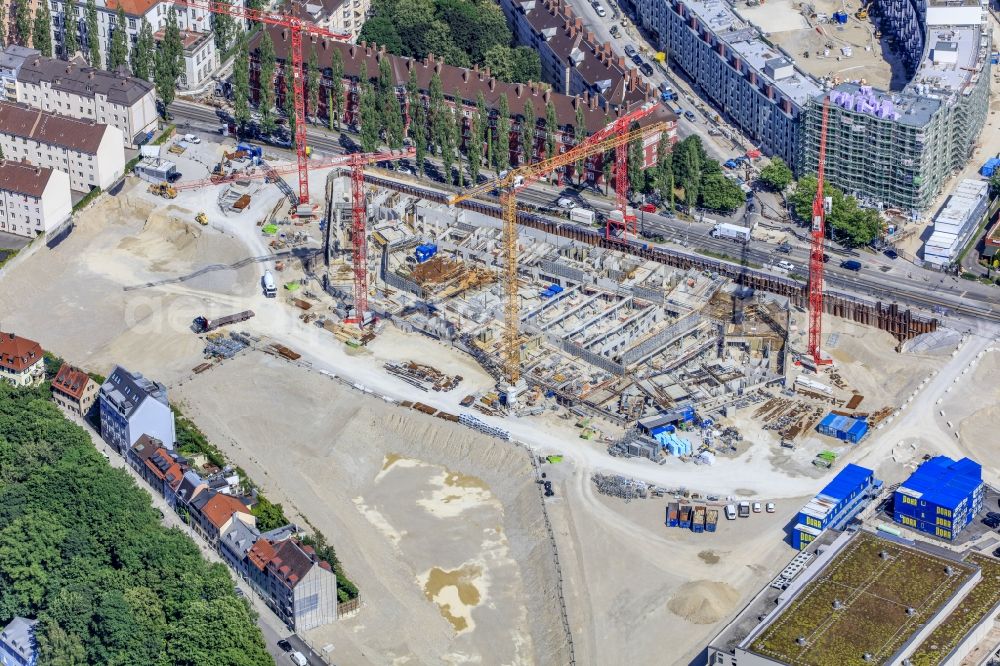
<point x="21" y="360"/>
<point x="74" y="390"/>
<point x="213" y="512"/>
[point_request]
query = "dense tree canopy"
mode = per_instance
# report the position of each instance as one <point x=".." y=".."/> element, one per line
<point x="776" y="175"/>
<point x="849" y="223"/>
<point x="463" y="32"/>
<point x="82" y="550"/>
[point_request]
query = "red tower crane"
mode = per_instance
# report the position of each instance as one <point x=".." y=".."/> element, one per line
<point x="816" y="253"/>
<point x="296" y="27"/>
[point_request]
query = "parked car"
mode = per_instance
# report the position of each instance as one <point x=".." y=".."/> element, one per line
<point x="785" y="264"/>
<point x="769" y="507"/>
<point x="298" y="659"/>
<point x="690" y="116"/>
<point x="600" y="11"/>
<point x="191" y="138"/>
<point x="892" y="254"/>
<point x="756" y="507"/>
<point x="285" y="645"/>
<point x="647" y="208"/>
<point x="996" y="553"/>
<point x="992" y="514"/>
<point x="565" y="202"/>
<point x="614" y="31"/>
<point x="646" y="69"/>
<point x="630" y="50"/>
<point x="636" y="58"/>
<point x="784" y="248"/>
<point x="851" y="265"/>
<point x="992" y="523"/>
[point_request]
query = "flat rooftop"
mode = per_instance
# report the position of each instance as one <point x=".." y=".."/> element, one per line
<point x="870" y="598"/>
<point x="956" y="50"/>
<point x="903" y="107"/>
<point x="745" y="39"/>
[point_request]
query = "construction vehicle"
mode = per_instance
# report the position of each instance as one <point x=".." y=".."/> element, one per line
<point x="201" y="219"/>
<point x="164" y="190"/>
<point x="204" y="324"/>
<point x="862" y="13"/>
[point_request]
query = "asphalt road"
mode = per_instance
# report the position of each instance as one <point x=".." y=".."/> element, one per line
<point x="880" y="278"/>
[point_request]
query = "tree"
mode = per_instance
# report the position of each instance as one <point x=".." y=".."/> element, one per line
<point x="388" y="103"/>
<point x="169" y="61"/>
<point x="142" y="54"/>
<point x="551" y="130"/>
<point x="42" y="38"/>
<point x="579" y="134"/>
<point x="289" y="96"/>
<point x="474" y="146"/>
<point x="458" y="130"/>
<point x="3" y="22"/>
<point x="665" y="170"/>
<point x="93" y="42"/>
<point x="118" y="52"/>
<point x="529" y="125"/>
<point x="854" y="225"/>
<point x="720" y="193"/>
<point x="224" y="28"/>
<point x="269" y="516"/>
<point x="776" y="175"/>
<point x="688" y="157"/>
<point x="265" y="82"/>
<point x="435" y="114"/>
<point x="241" y="83"/>
<point x="312" y="83"/>
<point x="335" y="102"/>
<point x="418" y="121"/>
<point x="634" y="162"/>
<point x="503" y="135"/>
<point x="22" y="23"/>
<point x="56" y="647"/>
<point x="368" y="112"/>
<point x="70" y="27"/>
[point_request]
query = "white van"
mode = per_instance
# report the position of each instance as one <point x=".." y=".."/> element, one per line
<point x="731" y="512"/>
<point x="298" y="659"/>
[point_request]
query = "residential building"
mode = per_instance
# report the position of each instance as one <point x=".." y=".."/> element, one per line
<point x="77" y="90"/>
<point x="34" y="200"/>
<point x="191" y="485"/>
<point x="956" y="222"/>
<point x="941" y="497"/>
<point x="573" y="61"/>
<point x="341" y="16"/>
<point x="159" y="467"/>
<point x="91" y="153"/>
<point x="11" y="60"/>
<point x="300" y="588"/>
<point x="890" y="149"/>
<point x="74" y="390"/>
<point x="189" y="20"/>
<point x="201" y="58"/>
<point x="21" y="360"/>
<point x="835" y="505"/>
<point x="753" y="84"/>
<point x="235" y="543"/>
<point x="462" y="86"/>
<point x="17" y="643"/>
<point x="212" y="513"/>
<point x="132" y="406"/>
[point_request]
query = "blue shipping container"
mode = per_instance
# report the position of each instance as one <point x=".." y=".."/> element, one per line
<point x="425" y="252"/>
<point x="555" y="289"/>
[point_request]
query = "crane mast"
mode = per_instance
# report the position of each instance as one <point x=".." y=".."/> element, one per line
<point x="818" y="232"/>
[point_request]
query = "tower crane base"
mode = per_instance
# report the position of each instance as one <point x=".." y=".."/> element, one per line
<point x="511" y="393"/>
<point x="809" y="363"/>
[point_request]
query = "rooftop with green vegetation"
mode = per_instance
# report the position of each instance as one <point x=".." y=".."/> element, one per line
<point x="976" y="605"/>
<point x="869" y="600"/>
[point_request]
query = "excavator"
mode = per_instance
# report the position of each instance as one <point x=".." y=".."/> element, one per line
<point x="862" y="13"/>
<point x="201" y="219"/>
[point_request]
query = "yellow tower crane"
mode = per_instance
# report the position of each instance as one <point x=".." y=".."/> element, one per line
<point x="513" y="181"/>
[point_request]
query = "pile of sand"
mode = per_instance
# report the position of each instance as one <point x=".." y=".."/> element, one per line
<point x="169" y="235"/>
<point x="704" y="601"/>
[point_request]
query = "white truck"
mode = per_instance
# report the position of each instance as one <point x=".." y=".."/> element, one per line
<point x="582" y="215"/>
<point x="731" y="231"/>
<point x="267" y="283"/>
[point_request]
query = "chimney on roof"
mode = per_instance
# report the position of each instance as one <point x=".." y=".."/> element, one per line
<point x="485" y="74"/>
<point x="465" y="77"/>
<point x="382" y="50"/>
<point x="352" y="51"/>
<point x="437" y="65"/>
<point x="593" y="102"/>
<point x="517" y="93"/>
<point x="579" y="24"/>
<point x="547" y="96"/>
<point x="493" y="84"/>
<point x="621" y="63"/>
<point x="590" y="38"/>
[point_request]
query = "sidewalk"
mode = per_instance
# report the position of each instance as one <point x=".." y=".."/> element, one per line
<point x="272" y="628"/>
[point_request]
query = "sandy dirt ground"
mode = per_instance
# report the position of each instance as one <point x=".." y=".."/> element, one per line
<point x="440" y="528"/>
